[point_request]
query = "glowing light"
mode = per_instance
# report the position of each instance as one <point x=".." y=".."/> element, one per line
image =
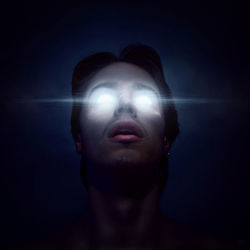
<point x="84" y="101"/>
<point x="145" y="100"/>
<point x="103" y="99"/>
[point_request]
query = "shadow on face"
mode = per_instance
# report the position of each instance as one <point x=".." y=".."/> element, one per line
<point x="121" y="126"/>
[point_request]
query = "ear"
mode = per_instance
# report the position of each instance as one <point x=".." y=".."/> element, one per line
<point x="78" y="144"/>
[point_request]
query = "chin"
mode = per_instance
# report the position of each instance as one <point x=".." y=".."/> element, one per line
<point x="127" y="156"/>
<point x="127" y="161"/>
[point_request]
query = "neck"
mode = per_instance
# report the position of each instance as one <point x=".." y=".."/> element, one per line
<point x="124" y="222"/>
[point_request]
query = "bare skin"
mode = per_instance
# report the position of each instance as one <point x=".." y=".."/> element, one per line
<point x="124" y="222"/>
<point x="172" y="237"/>
<point x="124" y="179"/>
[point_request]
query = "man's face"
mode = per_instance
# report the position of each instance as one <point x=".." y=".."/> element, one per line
<point x="121" y="122"/>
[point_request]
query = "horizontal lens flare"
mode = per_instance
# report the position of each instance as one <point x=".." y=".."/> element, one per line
<point x="84" y="101"/>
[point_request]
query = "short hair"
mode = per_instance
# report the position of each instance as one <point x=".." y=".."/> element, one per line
<point x="142" y="56"/>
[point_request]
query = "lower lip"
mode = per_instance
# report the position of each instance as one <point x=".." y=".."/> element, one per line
<point x="126" y="138"/>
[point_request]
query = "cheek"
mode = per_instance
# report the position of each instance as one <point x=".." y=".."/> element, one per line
<point x="100" y="113"/>
<point x="92" y="126"/>
<point x="153" y="120"/>
<point x="154" y="124"/>
<point x="94" y="121"/>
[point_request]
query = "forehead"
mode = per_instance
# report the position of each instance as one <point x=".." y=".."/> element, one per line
<point x="123" y="74"/>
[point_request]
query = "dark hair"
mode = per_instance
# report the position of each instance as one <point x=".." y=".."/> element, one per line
<point x="140" y="55"/>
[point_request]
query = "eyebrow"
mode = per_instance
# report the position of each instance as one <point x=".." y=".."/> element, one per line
<point x="104" y="84"/>
<point x="144" y="86"/>
<point x="113" y="84"/>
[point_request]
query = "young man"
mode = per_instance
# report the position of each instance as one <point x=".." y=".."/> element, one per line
<point x="123" y="123"/>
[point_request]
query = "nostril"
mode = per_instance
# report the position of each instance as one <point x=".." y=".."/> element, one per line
<point x="125" y="108"/>
<point x="130" y="110"/>
<point x="120" y="109"/>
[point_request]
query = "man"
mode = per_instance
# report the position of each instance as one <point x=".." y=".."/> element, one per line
<point x="123" y="123"/>
<point x="124" y="131"/>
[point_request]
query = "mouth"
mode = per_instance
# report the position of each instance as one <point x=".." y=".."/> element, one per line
<point x="125" y="131"/>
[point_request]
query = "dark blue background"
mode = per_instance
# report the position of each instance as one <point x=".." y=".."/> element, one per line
<point x="204" y="49"/>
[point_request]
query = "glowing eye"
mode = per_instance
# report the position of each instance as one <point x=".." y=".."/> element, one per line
<point x="144" y="99"/>
<point x="102" y="99"/>
<point x="105" y="99"/>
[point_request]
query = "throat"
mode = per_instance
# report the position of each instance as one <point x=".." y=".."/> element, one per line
<point x="124" y="222"/>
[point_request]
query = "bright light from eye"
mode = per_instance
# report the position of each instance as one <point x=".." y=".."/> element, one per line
<point x="103" y="99"/>
<point x="144" y="100"/>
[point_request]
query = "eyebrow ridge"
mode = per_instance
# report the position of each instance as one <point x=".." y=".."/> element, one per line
<point x="144" y="86"/>
<point x="104" y="84"/>
<point x="112" y="85"/>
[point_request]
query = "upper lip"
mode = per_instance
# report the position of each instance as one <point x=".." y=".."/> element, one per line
<point x="131" y="126"/>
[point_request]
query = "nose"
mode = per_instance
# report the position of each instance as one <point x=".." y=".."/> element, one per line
<point x="125" y="107"/>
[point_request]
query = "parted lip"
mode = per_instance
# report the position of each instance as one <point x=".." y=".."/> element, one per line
<point x="129" y="126"/>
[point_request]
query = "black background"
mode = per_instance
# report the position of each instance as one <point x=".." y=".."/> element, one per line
<point x="204" y="49"/>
